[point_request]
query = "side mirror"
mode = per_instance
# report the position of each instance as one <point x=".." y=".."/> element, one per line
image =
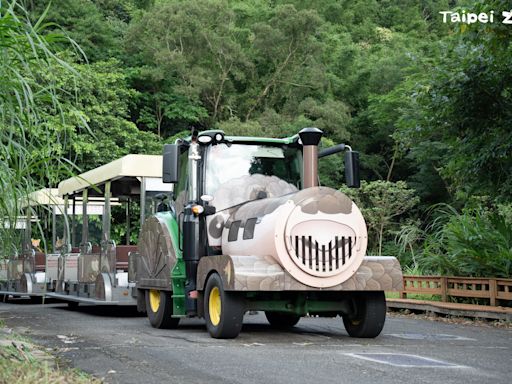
<point x="352" y="178"/>
<point x="170" y="167"/>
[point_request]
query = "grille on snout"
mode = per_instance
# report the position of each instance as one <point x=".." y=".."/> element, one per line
<point x="321" y="257"/>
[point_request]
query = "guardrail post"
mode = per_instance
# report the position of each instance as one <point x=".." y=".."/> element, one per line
<point x="444" y="288"/>
<point x="492" y="291"/>
<point x="403" y="294"/>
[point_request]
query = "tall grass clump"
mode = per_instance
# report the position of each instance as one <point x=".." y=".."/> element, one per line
<point x="31" y="150"/>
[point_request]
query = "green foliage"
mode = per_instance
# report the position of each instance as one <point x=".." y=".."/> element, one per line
<point x="458" y="115"/>
<point x="382" y="204"/>
<point x="196" y="47"/>
<point x="102" y="96"/>
<point x="424" y="102"/>
<point x="118" y="223"/>
<point x="54" y="114"/>
<point x="408" y="238"/>
<point x="97" y="26"/>
<point x="160" y="105"/>
<point x="30" y="155"/>
<point x="331" y="168"/>
<point x="253" y="64"/>
<point x="475" y="242"/>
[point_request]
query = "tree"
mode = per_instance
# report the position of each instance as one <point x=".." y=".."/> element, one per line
<point x="382" y="204"/>
<point x="287" y="66"/>
<point x="97" y="26"/>
<point x="158" y="108"/>
<point x="460" y="113"/>
<point x="102" y="96"/>
<point x="195" y="46"/>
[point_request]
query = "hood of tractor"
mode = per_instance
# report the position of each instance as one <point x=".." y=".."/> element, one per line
<point x="318" y="234"/>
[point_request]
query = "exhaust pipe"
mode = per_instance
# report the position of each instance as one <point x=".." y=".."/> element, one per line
<point x="310" y="138"/>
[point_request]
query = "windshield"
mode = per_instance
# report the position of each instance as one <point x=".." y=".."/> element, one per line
<point x="226" y="163"/>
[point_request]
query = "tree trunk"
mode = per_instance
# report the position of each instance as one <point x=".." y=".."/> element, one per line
<point x="381" y="231"/>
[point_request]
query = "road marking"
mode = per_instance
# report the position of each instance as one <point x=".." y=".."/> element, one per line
<point x="421" y="336"/>
<point x="68" y="339"/>
<point x="404" y="360"/>
<point x="252" y="344"/>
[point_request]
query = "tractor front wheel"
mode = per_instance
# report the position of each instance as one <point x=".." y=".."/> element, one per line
<point x="223" y="311"/>
<point x="368" y="315"/>
<point x="159" y="309"/>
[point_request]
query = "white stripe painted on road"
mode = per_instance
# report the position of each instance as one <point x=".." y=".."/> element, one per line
<point x="404" y="360"/>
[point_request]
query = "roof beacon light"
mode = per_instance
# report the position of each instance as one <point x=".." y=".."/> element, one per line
<point x="204" y="139"/>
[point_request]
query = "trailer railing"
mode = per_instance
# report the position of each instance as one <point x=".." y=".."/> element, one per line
<point x="493" y="289"/>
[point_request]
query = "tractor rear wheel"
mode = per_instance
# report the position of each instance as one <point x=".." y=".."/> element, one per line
<point x="282" y="320"/>
<point x="223" y="311"/>
<point x="368" y="316"/>
<point x="159" y="309"/>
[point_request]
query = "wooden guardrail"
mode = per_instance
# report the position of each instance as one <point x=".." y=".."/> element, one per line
<point x="493" y="289"/>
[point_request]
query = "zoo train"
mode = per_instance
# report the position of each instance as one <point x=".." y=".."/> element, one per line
<point x="229" y="224"/>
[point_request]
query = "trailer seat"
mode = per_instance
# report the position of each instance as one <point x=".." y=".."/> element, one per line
<point x="40" y="262"/>
<point x="122" y="252"/>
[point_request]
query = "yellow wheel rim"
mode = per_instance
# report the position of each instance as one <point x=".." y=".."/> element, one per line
<point x="214" y="306"/>
<point x="154" y="300"/>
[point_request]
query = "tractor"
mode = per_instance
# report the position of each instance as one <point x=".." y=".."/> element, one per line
<point x="248" y="228"/>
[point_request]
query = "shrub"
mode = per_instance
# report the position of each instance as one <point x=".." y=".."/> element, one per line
<point x="476" y="242"/>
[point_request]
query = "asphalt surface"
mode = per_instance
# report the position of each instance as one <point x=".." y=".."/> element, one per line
<point x="119" y="345"/>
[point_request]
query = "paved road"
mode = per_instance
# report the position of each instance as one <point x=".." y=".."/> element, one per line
<point x="121" y="346"/>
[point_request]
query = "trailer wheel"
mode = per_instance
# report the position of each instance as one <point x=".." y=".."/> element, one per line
<point x="369" y="315"/>
<point x="223" y="311"/>
<point x="159" y="309"/>
<point x="282" y="320"/>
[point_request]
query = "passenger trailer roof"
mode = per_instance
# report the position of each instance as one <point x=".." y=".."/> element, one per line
<point x="127" y="166"/>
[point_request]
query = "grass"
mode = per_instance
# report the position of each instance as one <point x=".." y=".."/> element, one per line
<point x="396" y="295"/>
<point x="20" y="371"/>
<point x="22" y="362"/>
<point x="18" y="365"/>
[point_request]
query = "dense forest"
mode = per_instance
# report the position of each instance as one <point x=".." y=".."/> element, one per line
<point x="428" y="104"/>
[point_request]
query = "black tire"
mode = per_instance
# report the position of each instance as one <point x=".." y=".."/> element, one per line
<point x="282" y="320"/>
<point x="226" y="319"/>
<point x="369" y="315"/>
<point x="160" y="317"/>
<point x="73" y="304"/>
<point x="36" y="299"/>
